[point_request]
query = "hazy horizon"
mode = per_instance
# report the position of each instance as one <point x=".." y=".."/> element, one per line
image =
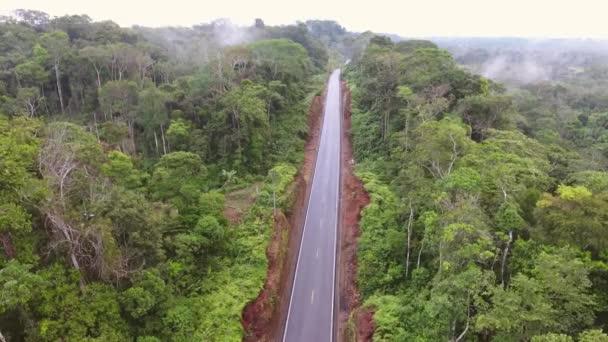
<point x="439" y="18"/>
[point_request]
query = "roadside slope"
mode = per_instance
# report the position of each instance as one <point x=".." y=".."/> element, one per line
<point x="353" y="199"/>
<point x="263" y="318"/>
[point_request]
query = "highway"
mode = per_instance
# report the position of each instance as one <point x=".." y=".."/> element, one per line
<point x="311" y="307"/>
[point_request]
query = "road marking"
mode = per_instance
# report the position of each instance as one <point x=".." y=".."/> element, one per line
<point x="333" y="285"/>
<point x="312" y="187"/>
<point x="323" y="135"/>
<point x="317" y="253"/>
<point x="312" y="297"/>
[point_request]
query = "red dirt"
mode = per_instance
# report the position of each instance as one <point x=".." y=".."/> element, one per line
<point x="239" y="201"/>
<point x="257" y="315"/>
<point x="264" y="317"/>
<point x="364" y="318"/>
<point x="353" y="198"/>
<point x="232" y="214"/>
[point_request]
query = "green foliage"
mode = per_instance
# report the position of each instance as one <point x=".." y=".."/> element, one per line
<point x="18" y="285"/>
<point x="483" y="112"/>
<point x="550" y="337"/>
<point x="281" y="59"/>
<point x="120" y="169"/>
<point x="179" y="178"/>
<point x="114" y="159"/>
<point x="68" y="314"/>
<point x="574" y="216"/>
<point x="248" y="134"/>
<point x="504" y="210"/>
<point x="240" y="275"/>
<point x="593" y="336"/>
<point x="179" y="134"/>
<point x="595" y="181"/>
<point x="118" y="98"/>
<point x="555" y="298"/>
<point x="380" y="263"/>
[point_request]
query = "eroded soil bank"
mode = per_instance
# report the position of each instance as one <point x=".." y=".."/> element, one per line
<point x="264" y="317"/>
<point x="355" y="323"/>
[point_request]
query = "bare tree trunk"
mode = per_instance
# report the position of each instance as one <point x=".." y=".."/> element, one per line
<point x="59" y="92"/>
<point x="409" y="239"/>
<point x="31" y="108"/>
<point x="98" y="79"/>
<point x="162" y="135"/>
<point x="504" y="259"/>
<point x="156" y="142"/>
<point x="420" y="254"/>
<point x="65" y="230"/>
<point x="18" y="80"/>
<point x="466" y="328"/>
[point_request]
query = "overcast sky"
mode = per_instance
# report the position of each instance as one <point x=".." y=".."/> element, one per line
<point x="527" y="18"/>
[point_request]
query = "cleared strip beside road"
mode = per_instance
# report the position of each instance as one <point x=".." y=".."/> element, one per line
<point x="311" y="308"/>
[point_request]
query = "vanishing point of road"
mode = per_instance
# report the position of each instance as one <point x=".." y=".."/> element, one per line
<point x="310" y="316"/>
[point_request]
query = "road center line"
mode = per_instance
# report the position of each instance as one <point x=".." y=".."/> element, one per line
<point x="312" y="297"/>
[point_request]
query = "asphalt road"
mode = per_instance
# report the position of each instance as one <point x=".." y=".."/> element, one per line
<point x="311" y="308"/>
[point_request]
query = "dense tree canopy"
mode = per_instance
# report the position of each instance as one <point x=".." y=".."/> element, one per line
<point x="487" y="208"/>
<point x="118" y="148"/>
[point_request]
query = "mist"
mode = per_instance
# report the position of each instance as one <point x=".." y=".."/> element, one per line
<point x="526" y="61"/>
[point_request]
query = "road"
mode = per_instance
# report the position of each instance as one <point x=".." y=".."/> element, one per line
<point x="311" y="306"/>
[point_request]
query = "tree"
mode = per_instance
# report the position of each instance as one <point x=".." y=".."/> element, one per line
<point x="553" y="297"/>
<point x="20" y="186"/>
<point x="245" y="114"/>
<point x="280" y="59"/>
<point x="118" y="98"/>
<point x="179" y="178"/>
<point x="575" y="216"/>
<point x="58" y="46"/>
<point x="593" y="336"/>
<point x="31" y="72"/>
<point x="120" y="169"/>
<point x="18" y="289"/>
<point x="438" y="145"/>
<point x="30" y="99"/>
<point x="483" y="112"/>
<point x="67" y="161"/>
<point x="99" y="58"/>
<point x="152" y="114"/>
<point x="68" y="314"/>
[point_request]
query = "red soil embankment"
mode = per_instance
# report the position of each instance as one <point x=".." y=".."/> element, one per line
<point x="264" y="317"/>
<point x="353" y="199"/>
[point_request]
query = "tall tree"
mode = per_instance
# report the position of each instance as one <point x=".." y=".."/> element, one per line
<point x="58" y="46"/>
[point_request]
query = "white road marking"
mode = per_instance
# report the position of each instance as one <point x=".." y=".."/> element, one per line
<point x="317" y="253"/>
<point x="312" y="297"/>
<point x="323" y="134"/>
<point x="333" y="285"/>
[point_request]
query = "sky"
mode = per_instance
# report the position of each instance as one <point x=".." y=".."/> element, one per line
<point x="410" y="18"/>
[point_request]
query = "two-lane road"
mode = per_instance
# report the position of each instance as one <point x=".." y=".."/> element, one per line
<point x="311" y="308"/>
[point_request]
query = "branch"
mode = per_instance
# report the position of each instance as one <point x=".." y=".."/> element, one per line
<point x="466" y="328"/>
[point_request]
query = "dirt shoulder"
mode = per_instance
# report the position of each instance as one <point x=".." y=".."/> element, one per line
<point x="264" y="318"/>
<point x="354" y="323"/>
